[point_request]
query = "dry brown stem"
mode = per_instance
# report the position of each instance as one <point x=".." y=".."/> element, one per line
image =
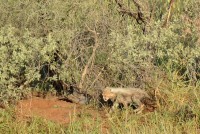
<point x="86" y="68"/>
<point x="169" y="13"/>
<point x="138" y="16"/>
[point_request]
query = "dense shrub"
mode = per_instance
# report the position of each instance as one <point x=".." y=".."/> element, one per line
<point x="22" y="58"/>
<point x="43" y="42"/>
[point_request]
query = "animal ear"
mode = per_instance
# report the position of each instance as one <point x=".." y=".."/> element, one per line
<point x="107" y="89"/>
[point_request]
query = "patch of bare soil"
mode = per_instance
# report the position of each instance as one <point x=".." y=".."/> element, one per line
<point x="53" y="109"/>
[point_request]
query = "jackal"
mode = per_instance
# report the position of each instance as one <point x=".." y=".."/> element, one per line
<point x="127" y="97"/>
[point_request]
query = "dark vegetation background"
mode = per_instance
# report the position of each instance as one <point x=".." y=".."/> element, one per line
<point x="51" y="44"/>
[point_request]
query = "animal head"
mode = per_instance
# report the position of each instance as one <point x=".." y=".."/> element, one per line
<point x="107" y="94"/>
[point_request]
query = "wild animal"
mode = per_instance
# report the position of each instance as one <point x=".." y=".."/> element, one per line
<point x="127" y="97"/>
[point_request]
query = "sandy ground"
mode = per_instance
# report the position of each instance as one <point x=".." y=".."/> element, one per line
<point x="54" y="109"/>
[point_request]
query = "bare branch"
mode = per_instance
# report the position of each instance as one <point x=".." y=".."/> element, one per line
<point x="86" y="68"/>
<point x="97" y="77"/>
<point x="169" y="13"/>
<point x="138" y="16"/>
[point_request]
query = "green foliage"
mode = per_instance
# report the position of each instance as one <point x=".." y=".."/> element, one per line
<point x="22" y="58"/>
<point x="45" y="41"/>
<point x="160" y="47"/>
<point x="174" y="116"/>
<point x="9" y="124"/>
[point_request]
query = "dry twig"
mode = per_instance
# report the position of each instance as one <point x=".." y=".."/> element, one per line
<point x="86" y="68"/>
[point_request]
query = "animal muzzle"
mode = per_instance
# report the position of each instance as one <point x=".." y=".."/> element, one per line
<point x="105" y="99"/>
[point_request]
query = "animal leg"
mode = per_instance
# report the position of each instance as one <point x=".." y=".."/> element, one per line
<point x="125" y="105"/>
<point x="139" y="109"/>
<point x="115" y="106"/>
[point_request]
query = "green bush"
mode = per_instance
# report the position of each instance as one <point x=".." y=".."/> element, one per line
<point x="166" y="48"/>
<point x="45" y="41"/>
<point x="22" y="58"/>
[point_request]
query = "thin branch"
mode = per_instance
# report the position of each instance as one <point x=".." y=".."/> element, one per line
<point x="97" y="77"/>
<point x="169" y="13"/>
<point x="138" y="16"/>
<point x="86" y="68"/>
